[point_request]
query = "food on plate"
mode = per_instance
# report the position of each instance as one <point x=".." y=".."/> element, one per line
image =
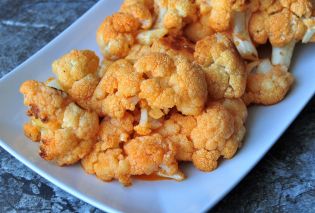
<point x="173" y="15"/>
<point x="219" y="132"/>
<point x="117" y="90"/>
<point x="283" y="23"/>
<point x="65" y="131"/>
<point x="223" y="66"/>
<point x="173" y="84"/>
<point x="177" y="130"/>
<point x="267" y="84"/>
<point x="117" y="34"/>
<point x="140" y="10"/>
<point x="76" y="74"/>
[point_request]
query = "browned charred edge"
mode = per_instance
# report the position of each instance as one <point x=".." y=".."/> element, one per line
<point x="44" y="119"/>
<point x="33" y="111"/>
<point x="43" y="153"/>
<point x="178" y="43"/>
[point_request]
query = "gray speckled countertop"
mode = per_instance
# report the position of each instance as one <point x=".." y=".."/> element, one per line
<point x="284" y="181"/>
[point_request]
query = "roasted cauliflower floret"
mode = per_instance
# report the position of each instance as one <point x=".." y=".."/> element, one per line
<point x="217" y="12"/>
<point x="219" y="132"/>
<point x="177" y="130"/>
<point x="171" y="82"/>
<point x="65" y="131"/>
<point x="156" y="89"/>
<point x="116" y="35"/>
<point x="74" y="66"/>
<point x="139" y="10"/>
<point x="301" y="8"/>
<point x="107" y="160"/>
<point x="190" y="85"/>
<point x="278" y="24"/>
<point x="196" y="31"/>
<point x="284" y="27"/>
<point x="117" y="90"/>
<point x="174" y="15"/>
<point x="284" y="23"/>
<point x="114" y="131"/>
<point x="150" y="154"/>
<point x="77" y="74"/>
<point x="107" y="164"/>
<point x="205" y="160"/>
<point x="267" y="84"/>
<point x="220" y="15"/>
<point x="82" y="91"/>
<point x="222" y="65"/>
<point x="257" y="29"/>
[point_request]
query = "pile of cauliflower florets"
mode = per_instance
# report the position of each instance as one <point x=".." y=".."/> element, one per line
<point x="173" y="85"/>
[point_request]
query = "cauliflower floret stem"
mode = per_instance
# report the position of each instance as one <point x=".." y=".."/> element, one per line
<point x="310" y="32"/>
<point x="241" y="36"/>
<point x="143" y="117"/>
<point x="282" y="55"/>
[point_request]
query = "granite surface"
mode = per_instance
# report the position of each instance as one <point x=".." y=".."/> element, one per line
<point x="284" y="181"/>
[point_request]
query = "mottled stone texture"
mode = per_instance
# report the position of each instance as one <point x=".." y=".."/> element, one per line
<point x="284" y="181"/>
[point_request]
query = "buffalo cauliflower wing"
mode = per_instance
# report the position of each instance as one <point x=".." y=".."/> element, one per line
<point x="65" y="131"/>
<point x="170" y="82"/>
<point x="197" y="30"/>
<point x="283" y="23"/>
<point x="139" y="9"/>
<point x="174" y="15"/>
<point x="267" y="84"/>
<point x="108" y="164"/>
<point x="152" y="155"/>
<point x="117" y="91"/>
<point x="116" y="35"/>
<point x="219" y="132"/>
<point x="224" y="68"/>
<point x="107" y="160"/>
<point x="279" y="21"/>
<point x="74" y="66"/>
<point x="114" y="131"/>
<point x="177" y="130"/>
<point x="217" y="12"/>
<point x="78" y="74"/>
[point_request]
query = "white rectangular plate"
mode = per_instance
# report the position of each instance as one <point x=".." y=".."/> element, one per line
<point x="201" y="190"/>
